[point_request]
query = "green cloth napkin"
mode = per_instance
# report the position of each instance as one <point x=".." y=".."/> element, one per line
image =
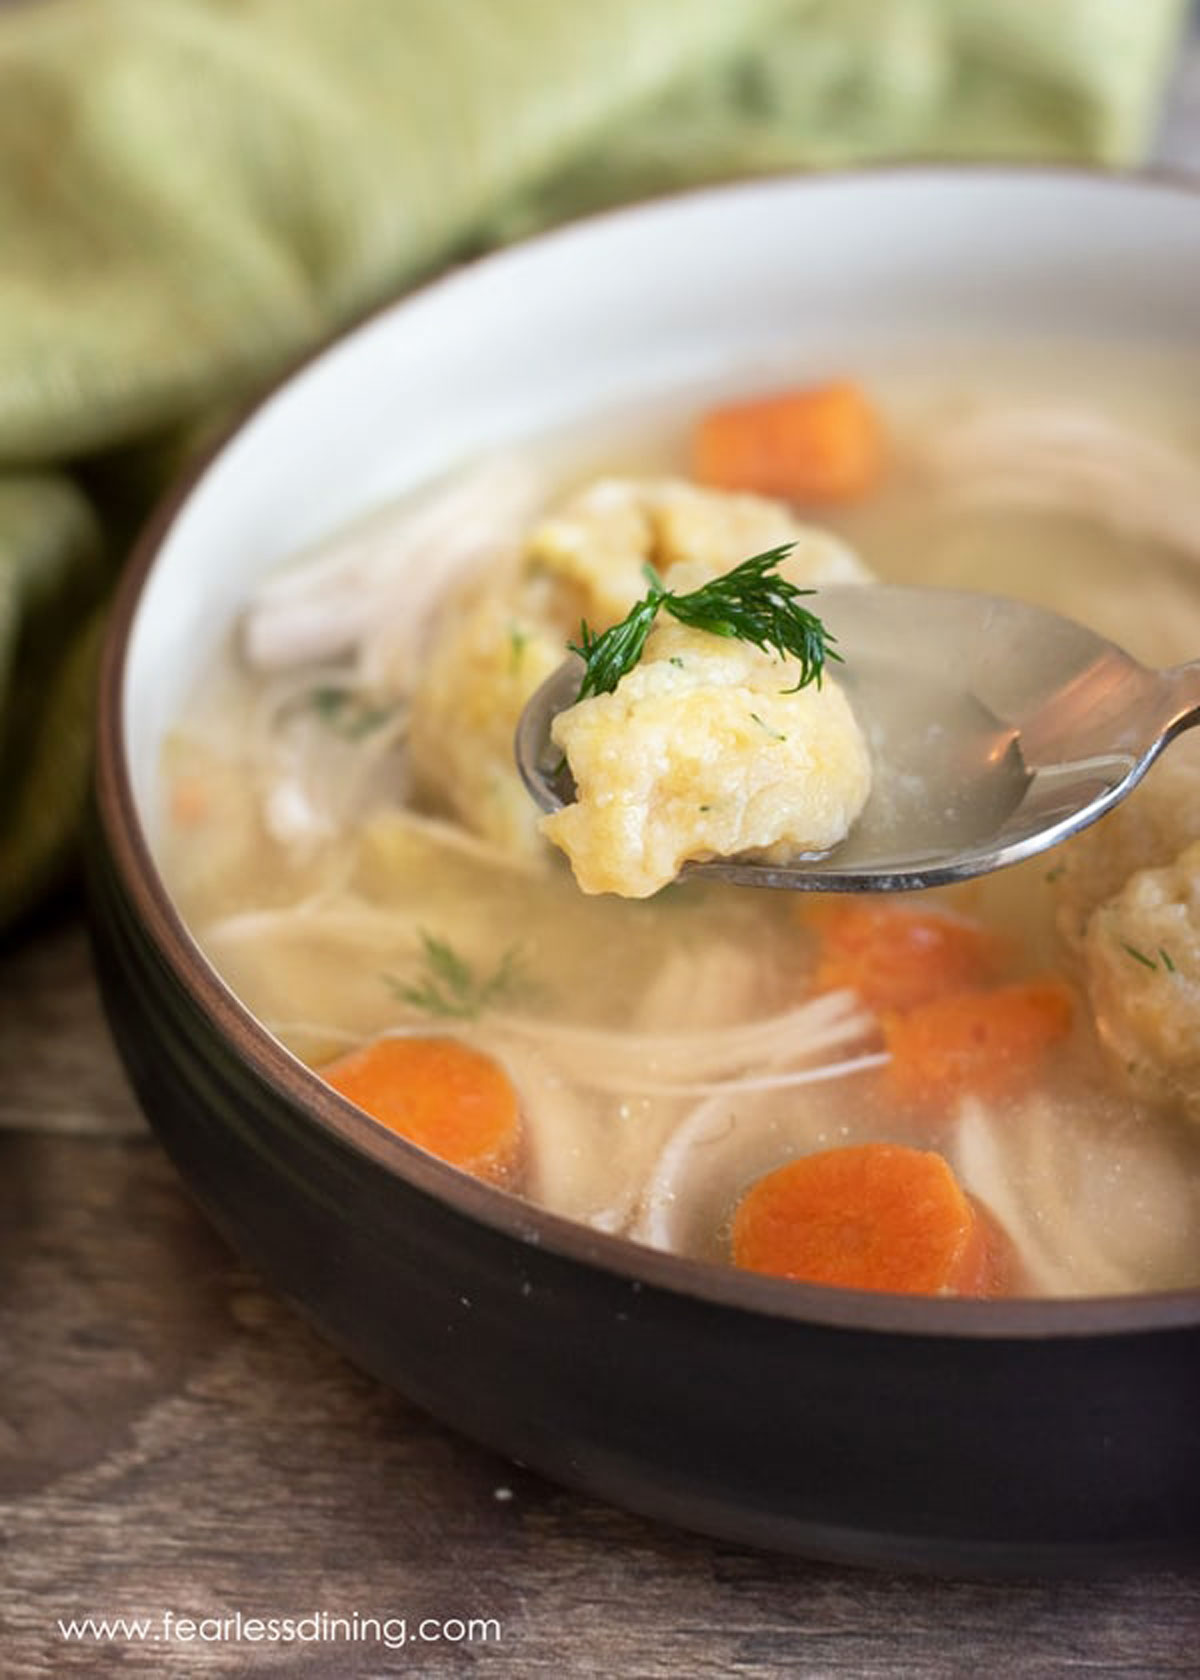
<point x="194" y="191"/>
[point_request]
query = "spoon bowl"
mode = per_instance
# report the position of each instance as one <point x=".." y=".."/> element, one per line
<point x="996" y="730"/>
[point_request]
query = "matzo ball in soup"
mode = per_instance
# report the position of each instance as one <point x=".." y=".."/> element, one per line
<point x="987" y="1090"/>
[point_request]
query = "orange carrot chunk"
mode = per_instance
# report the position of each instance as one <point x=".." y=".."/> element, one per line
<point x="896" y="957"/>
<point x="869" y="1216"/>
<point x="986" y="1042"/>
<point x="821" y="444"/>
<point x="189" y="802"/>
<point x="448" y="1098"/>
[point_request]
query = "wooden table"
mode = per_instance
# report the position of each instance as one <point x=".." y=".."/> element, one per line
<point x="173" y="1441"/>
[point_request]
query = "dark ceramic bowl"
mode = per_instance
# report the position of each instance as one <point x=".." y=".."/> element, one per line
<point x="958" y="1435"/>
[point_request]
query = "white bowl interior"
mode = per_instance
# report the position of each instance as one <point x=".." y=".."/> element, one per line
<point x="810" y="274"/>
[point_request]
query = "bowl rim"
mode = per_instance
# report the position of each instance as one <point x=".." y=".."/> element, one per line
<point x="705" y="1283"/>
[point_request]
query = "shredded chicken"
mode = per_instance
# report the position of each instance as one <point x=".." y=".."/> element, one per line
<point x="369" y="590"/>
<point x="1071" y="458"/>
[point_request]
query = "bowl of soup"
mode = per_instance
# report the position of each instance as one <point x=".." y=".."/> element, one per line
<point x="862" y="1226"/>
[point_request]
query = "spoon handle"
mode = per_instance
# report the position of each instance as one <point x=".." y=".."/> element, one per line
<point x="1181" y="707"/>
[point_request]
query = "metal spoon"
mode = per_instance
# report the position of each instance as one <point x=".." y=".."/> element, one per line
<point x="996" y="730"/>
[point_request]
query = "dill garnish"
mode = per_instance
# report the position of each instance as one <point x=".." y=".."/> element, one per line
<point x="518" y="641"/>
<point x="763" y="724"/>
<point x="1138" y="956"/>
<point x="752" y="603"/>
<point x="451" y="986"/>
<point x="347" y="713"/>
<point x="1150" y="962"/>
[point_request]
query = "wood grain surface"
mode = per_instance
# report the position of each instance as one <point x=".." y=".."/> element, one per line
<point x="174" y="1440"/>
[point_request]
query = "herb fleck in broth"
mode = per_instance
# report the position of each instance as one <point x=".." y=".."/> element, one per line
<point x="668" y="1054"/>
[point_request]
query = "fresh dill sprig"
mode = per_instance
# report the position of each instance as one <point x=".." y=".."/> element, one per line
<point x="1138" y="956"/>
<point x="755" y="604"/>
<point x="347" y="713"/>
<point x="752" y="603"/>
<point x="1168" y="962"/>
<point x="518" y="641"/>
<point x="451" y="987"/>
<point x="616" y="650"/>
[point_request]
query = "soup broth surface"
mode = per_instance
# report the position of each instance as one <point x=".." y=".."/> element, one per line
<point x="668" y="1053"/>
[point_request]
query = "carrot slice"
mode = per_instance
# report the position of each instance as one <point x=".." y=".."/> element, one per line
<point x="821" y="444"/>
<point x="869" y="1216"/>
<point x="190" y="802"/>
<point x="896" y="957"/>
<point x="449" y="1098"/>
<point x="986" y="1042"/>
